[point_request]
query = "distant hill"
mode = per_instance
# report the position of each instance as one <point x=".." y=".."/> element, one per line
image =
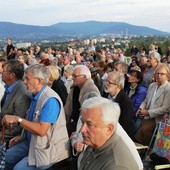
<point x="21" y="31"/>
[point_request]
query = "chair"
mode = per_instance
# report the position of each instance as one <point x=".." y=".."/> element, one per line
<point x="167" y="166"/>
<point x="160" y="146"/>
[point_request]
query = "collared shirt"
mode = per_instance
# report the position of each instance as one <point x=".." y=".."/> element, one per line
<point x="51" y="106"/>
<point x="118" y="152"/>
<point x="112" y="97"/>
<point x="132" y="90"/>
<point x="9" y="89"/>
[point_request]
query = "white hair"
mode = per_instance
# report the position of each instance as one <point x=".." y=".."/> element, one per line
<point x="110" y="111"/>
<point x="39" y="71"/>
<point x="119" y="78"/>
<point x="83" y="70"/>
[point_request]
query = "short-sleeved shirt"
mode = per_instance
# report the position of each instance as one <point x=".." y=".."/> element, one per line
<point x="49" y="112"/>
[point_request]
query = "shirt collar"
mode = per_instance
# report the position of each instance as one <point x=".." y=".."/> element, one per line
<point x="35" y="97"/>
<point x="11" y="87"/>
<point x="132" y="88"/>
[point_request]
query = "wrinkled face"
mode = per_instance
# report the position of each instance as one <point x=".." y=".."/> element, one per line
<point x="31" y="82"/>
<point x="95" y="133"/>
<point x="78" y="78"/>
<point x="161" y="76"/>
<point x="109" y="86"/>
<point x="152" y="60"/>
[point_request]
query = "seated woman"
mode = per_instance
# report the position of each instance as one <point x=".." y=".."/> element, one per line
<point x="156" y="103"/>
<point x="56" y="83"/>
<point x="137" y="94"/>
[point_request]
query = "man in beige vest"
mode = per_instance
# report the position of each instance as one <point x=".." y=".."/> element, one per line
<point x="45" y="139"/>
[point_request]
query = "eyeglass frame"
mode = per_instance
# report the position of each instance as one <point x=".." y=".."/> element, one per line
<point x="109" y="82"/>
<point x="75" y="76"/>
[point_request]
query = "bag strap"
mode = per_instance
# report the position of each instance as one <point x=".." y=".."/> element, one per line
<point x="3" y="131"/>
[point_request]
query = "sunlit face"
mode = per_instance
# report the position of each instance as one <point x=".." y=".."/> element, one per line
<point x="31" y="82"/>
<point x="161" y="76"/>
<point x="95" y="133"/>
<point x="109" y="86"/>
<point x="78" y="78"/>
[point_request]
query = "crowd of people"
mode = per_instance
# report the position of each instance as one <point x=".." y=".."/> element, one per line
<point x="86" y="105"/>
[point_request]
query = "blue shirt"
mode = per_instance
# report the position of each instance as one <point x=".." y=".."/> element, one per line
<point x="49" y="113"/>
<point x="9" y="89"/>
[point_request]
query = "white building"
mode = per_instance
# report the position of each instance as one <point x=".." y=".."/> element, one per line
<point x="23" y="45"/>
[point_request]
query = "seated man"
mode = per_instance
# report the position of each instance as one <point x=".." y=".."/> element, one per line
<point x="16" y="99"/>
<point x="109" y="147"/>
<point x="45" y="140"/>
<point x="83" y="88"/>
<point x="114" y="86"/>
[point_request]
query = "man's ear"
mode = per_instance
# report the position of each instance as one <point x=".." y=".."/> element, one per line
<point x="110" y="129"/>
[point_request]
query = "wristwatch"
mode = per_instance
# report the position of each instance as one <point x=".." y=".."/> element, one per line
<point x="19" y="121"/>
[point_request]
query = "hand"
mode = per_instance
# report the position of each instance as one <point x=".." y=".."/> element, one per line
<point x="10" y="119"/>
<point x="143" y="112"/>
<point x="79" y="146"/>
<point x="14" y="141"/>
<point x="138" y="112"/>
<point x="166" y="117"/>
<point x="72" y="134"/>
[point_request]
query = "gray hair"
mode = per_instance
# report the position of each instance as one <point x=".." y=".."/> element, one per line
<point x="39" y="71"/>
<point x="123" y="65"/>
<point x="156" y="55"/>
<point x="69" y="69"/>
<point x="110" y="111"/>
<point x="83" y="70"/>
<point x="119" y="78"/>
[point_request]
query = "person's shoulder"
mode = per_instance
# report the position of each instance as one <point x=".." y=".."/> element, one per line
<point x="142" y="89"/>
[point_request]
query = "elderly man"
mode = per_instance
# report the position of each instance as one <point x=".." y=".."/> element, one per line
<point x="122" y="67"/>
<point x="114" y="86"/>
<point x="45" y="140"/>
<point x="109" y="147"/>
<point x="16" y="99"/>
<point x="83" y="89"/>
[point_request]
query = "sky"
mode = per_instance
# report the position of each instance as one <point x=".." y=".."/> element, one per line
<point x="151" y="13"/>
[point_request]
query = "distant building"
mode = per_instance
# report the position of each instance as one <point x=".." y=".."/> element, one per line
<point x="23" y="45"/>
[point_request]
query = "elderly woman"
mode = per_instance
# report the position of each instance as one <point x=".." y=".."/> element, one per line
<point x="68" y="71"/>
<point x="155" y="105"/>
<point x="154" y="61"/>
<point x="56" y="83"/>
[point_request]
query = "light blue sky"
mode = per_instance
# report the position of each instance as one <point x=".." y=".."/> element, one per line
<point x="151" y="13"/>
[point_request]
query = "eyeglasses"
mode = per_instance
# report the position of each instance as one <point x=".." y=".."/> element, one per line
<point x="161" y="74"/>
<point x="109" y="82"/>
<point x="75" y="76"/>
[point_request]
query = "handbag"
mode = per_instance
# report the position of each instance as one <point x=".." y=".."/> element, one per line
<point x="161" y="148"/>
<point x="3" y="147"/>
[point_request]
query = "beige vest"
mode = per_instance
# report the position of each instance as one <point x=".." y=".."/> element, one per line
<point x="53" y="147"/>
